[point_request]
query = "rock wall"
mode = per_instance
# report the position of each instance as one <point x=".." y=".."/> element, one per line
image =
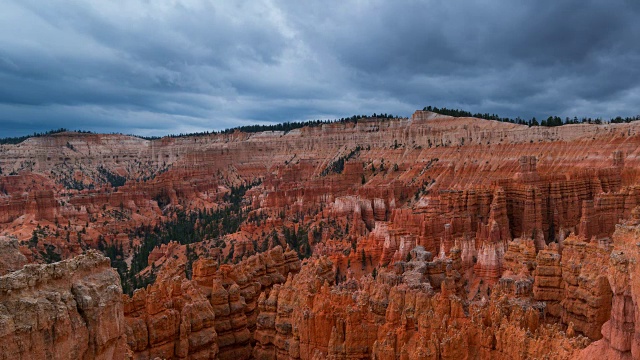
<point x="212" y="316"/>
<point x="170" y="319"/>
<point x="397" y="315"/>
<point x="621" y="333"/>
<point x="587" y="299"/>
<point x="548" y="285"/>
<point x="11" y="259"/>
<point x="67" y="310"/>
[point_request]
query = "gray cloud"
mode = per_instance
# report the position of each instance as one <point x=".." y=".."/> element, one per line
<point x="190" y="65"/>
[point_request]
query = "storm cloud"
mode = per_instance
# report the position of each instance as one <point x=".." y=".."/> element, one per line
<point x="159" y="67"/>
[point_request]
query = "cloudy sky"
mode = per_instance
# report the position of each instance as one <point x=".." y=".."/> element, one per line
<point x="153" y="67"/>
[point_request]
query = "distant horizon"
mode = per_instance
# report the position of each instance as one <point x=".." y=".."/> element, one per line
<point x="581" y="120"/>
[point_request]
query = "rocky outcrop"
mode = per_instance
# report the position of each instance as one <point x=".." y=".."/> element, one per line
<point x="520" y="256"/>
<point x="621" y="333"/>
<point x="11" y="259"/>
<point x="587" y="299"/>
<point x="212" y="316"/>
<point x="548" y="285"/>
<point x="397" y="315"/>
<point x="67" y="310"/>
<point x="234" y="291"/>
<point x="493" y="239"/>
<point x="231" y="320"/>
<point x="170" y="319"/>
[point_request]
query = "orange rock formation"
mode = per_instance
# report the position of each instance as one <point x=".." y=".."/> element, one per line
<point x="427" y="237"/>
<point x="67" y="310"/>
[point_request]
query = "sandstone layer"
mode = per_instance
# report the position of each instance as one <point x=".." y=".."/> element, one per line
<point x="67" y="310"/>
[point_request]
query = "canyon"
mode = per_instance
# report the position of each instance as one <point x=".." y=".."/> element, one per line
<point x="429" y="237"/>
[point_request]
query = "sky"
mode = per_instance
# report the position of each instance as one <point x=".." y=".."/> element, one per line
<point x="155" y="67"/>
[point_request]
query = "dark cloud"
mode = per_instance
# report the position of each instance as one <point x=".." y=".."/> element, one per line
<point x="188" y="65"/>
